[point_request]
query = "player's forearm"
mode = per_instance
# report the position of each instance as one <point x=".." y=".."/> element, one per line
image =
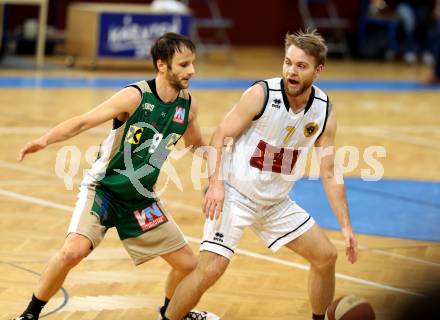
<point x="336" y="196"/>
<point x="64" y="131"/>
<point x="215" y="162"/>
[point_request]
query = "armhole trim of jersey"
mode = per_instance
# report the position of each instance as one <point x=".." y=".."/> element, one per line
<point x="189" y="100"/>
<point x="116" y="123"/>
<point x="136" y="87"/>
<point x="265" y="87"/>
<point x="328" y="109"/>
<point x="310" y="101"/>
<point x="184" y="94"/>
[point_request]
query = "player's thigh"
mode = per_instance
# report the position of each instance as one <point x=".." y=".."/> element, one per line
<point x="314" y="246"/>
<point x="182" y="259"/>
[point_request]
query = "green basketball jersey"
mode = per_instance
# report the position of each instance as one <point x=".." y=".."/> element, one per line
<point x="130" y="158"/>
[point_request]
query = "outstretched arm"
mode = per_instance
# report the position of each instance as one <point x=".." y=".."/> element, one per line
<point x="235" y="122"/>
<point x="122" y="104"/>
<point x="334" y="187"/>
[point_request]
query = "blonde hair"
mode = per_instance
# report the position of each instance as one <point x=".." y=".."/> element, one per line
<point x="309" y="41"/>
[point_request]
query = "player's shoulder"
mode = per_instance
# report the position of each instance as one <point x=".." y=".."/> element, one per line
<point x="255" y="91"/>
<point x="272" y="84"/>
<point x="320" y="94"/>
<point x="263" y="86"/>
<point x="185" y="94"/>
<point x="142" y="86"/>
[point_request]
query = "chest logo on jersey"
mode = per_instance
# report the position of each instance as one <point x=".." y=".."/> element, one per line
<point x="150" y="217"/>
<point x="179" y="116"/>
<point x="310" y="129"/>
<point x="276" y="103"/>
<point x="134" y="135"/>
<point x="148" y="106"/>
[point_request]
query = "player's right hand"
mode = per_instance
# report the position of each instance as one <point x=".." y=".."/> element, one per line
<point x="213" y="203"/>
<point x="31" y="147"/>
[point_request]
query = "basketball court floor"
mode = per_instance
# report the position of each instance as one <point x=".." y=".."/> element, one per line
<point x="397" y="218"/>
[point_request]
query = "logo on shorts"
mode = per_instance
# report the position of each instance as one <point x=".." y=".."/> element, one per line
<point x="150" y="217"/>
<point x="218" y="237"/>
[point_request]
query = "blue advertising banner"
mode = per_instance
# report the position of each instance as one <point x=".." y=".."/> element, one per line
<point x="131" y="35"/>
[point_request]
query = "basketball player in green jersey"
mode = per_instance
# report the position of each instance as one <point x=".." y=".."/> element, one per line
<point x="149" y="117"/>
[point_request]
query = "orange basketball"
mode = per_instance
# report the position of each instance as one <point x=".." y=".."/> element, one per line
<point x="350" y="308"/>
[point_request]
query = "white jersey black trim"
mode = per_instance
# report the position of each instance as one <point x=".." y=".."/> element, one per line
<point x="265" y="87"/>
<point x="267" y="151"/>
<point x="286" y="100"/>
<point x="321" y="99"/>
<point x="328" y="109"/>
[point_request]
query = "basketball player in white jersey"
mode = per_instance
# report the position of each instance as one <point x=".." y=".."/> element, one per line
<point x="272" y="125"/>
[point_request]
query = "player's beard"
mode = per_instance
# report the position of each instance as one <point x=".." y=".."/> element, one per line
<point x="303" y="86"/>
<point x="174" y="81"/>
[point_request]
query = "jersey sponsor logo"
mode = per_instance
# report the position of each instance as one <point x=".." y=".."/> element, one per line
<point x="179" y="116"/>
<point x="273" y="159"/>
<point x="310" y="129"/>
<point x="276" y="103"/>
<point x="150" y="217"/>
<point x="148" y="106"/>
<point x="134" y="134"/>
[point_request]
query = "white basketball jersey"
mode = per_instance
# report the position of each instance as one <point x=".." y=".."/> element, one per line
<point x="262" y="160"/>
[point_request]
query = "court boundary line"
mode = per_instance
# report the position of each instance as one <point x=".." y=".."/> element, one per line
<point x="64" y="300"/>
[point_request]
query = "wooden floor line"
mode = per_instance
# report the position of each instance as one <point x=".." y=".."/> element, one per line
<point x="397" y="133"/>
<point x="110" y="302"/>
<point x="391" y="254"/>
<point x="382" y="252"/>
<point x="24" y="168"/>
<point x="59" y="305"/>
<point x="55" y="205"/>
<point x="34" y="182"/>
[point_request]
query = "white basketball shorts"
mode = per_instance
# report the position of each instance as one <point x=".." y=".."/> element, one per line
<point x="276" y="225"/>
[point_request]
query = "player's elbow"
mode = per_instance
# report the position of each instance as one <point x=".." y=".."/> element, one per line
<point x="82" y="124"/>
<point x="223" y="132"/>
<point x="327" y="173"/>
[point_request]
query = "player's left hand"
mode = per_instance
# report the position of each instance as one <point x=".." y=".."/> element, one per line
<point x="213" y="202"/>
<point x="351" y="244"/>
<point x="31" y="147"/>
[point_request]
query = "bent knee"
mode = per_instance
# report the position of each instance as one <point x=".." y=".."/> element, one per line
<point x="211" y="272"/>
<point x="326" y="259"/>
<point x="70" y="257"/>
<point x="188" y="265"/>
<point x="332" y="256"/>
